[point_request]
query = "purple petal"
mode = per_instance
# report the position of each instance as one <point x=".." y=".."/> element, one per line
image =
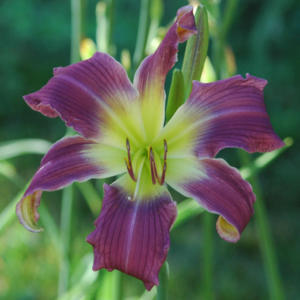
<point x="132" y="236"/>
<point x="66" y="161"/>
<point x="82" y="94"/>
<point x="231" y="113"/>
<point x="220" y="189"/>
<point x="150" y="76"/>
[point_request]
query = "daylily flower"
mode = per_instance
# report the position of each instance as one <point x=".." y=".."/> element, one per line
<point x="122" y="132"/>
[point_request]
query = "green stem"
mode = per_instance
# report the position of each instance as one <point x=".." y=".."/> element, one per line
<point x="220" y="37"/>
<point x="266" y="243"/>
<point x="105" y="16"/>
<point x="267" y="248"/>
<point x="67" y="197"/>
<point x="77" y="10"/>
<point x="111" y="18"/>
<point x="176" y="93"/>
<point x="144" y="19"/>
<point x="253" y="168"/>
<point x="65" y="230"/>
<point x="186" y="210"/>
<point x="110" y="285"/>
<point x="102" y="27"/>
<point x="20" y="147"/>
<point x="91" y="196"/>
<point x="162" y="289"/>
<point x="117" y="286"/>
<point x="217" y="45"/>
<point x="207" y="288"/>
<point x="196" y="50"/>
<point x="193" y="62"/>
<point x="50" y="227"/>
<point x="229" y="14"/>
<point x="156" y="11"/>
<point x="8" y="214"/>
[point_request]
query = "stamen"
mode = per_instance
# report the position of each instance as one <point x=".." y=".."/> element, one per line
<point x="153" y="168"/>
<point x="163" y="175"/>
<point x="166" y="150"/>
<point x="129" y="162"/>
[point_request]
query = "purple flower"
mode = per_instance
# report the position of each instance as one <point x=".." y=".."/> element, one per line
<point x="122" y="132"/>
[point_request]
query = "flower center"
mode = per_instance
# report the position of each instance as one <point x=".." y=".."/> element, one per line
<point x="156" y="178"/>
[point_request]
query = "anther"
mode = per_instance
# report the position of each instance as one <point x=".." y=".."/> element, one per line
<point x="129" y="162"/>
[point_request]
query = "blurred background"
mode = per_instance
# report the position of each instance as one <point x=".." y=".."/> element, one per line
<point x="263" y="40"/>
